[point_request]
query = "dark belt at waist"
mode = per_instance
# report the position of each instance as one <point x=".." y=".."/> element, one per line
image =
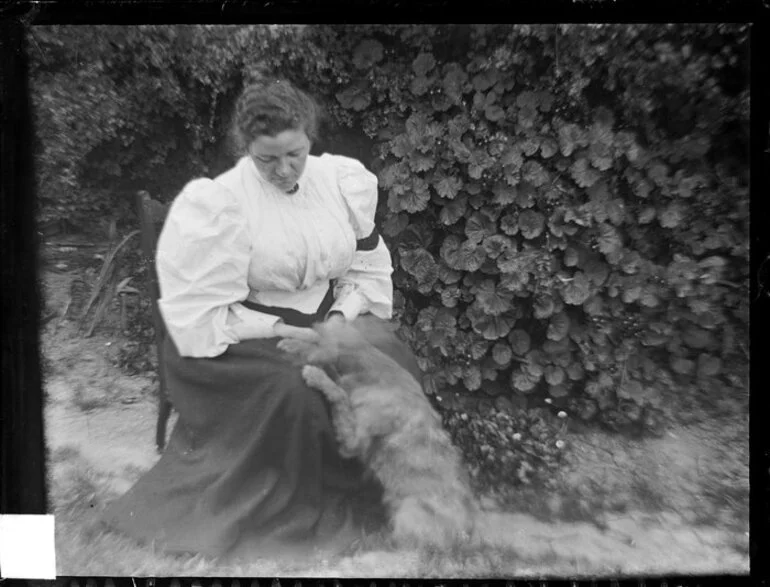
<point x="294" y="317"/>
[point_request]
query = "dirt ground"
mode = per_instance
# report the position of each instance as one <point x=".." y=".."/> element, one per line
<point x="670" y="505"/>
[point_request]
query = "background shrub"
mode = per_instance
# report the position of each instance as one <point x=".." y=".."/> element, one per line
<point x="566" y="204"/>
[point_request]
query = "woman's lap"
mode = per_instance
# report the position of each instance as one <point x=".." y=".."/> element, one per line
<point x="252" y="457"/>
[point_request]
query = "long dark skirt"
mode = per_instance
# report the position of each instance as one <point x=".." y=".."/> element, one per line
<point x="251" y="464"/>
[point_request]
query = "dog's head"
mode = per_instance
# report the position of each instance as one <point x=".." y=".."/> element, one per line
<point x="362" y="331"/>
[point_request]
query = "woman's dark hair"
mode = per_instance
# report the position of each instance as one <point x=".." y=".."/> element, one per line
<point x="269" y="107"/>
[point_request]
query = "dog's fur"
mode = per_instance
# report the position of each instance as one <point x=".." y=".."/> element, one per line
<point x="382" y="417"/>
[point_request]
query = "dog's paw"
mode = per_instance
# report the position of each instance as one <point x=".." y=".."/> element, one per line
<point x="315" y="376"/>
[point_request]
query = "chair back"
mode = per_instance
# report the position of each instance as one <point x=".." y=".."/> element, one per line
<point x="152" y="215"/>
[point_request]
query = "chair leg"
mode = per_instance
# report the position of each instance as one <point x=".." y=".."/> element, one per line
<point x="164" y="412"/>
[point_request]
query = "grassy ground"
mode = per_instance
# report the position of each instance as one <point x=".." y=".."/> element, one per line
<point x="676" y="504"/>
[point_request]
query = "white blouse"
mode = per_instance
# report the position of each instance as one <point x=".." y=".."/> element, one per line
<point x="237" y="238"/>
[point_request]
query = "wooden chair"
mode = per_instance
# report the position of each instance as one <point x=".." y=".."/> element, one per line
<point x="151" y="215"/>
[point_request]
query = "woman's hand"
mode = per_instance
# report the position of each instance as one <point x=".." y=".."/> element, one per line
<point x="333" y="317"/>
<point x="283" y="330"/>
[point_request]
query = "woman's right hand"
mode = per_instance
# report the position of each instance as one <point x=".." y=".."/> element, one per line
<point x="283" y="330"/>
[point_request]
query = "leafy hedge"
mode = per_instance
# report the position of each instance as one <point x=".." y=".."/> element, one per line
<point x="567" y="205"/>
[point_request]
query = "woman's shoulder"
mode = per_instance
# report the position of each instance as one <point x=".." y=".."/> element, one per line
<point x="203" y="194"/>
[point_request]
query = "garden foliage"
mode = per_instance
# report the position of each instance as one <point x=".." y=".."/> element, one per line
<point x="566" y="204"/>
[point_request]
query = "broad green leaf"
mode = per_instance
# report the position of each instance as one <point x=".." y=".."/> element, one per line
<point x="479" y="162"/>
<point x="528" y="146"/>
<point x="512" y="159"/>
<point x="489" y="372"/>
<point x="596" y="270"/>
<point x="548" y="148"/>
<point x="534" y="368"/>
<point x="355" y="97"/>
<point x="558" y="391"/>
<point x="543" y="306"/>
<point x="502" y="354"/>
<point x="420" y="163"/>
<point x="504" y="195"/>
<point x="441" y="102"/>
<point x="531" y="223"/>
<point x="682" y="366"/>
<point x="444" y="330"/>
<point x="616" y="211"/>
<point x="463" y="256"/>
<point x="479" y="226"/>
<point x="497" y="244"/>
<point x="571" y="256"/>
<point x="647" y="215"/>
<point x="697" y="338"/>
<point x="395" y="224"/>
<point x="485" y="80"/>
<point x="554" y="375"/>
<point x="490" y="327"/>
<point x="558" y="327"/>
<point x="571" y="137"/>
<point x="448" y="186"/>
<point x="671" y="216"/>
<point x="423" y="64"/>
<point x="367" y="54"/>
<point x="578" y="290"/>
<point x="608" y="240"/>
<point x="491" y="300"/>
<point x="658" y="173"/>
<point x="478" y="349"/>
<point x="461" y="151"/>
<point x="454" y="81"/>
<point x="523" y="381"/>
<point x="690" y="185"/>
<point x="632" y="294"/>
<point x="520" y="342"/>
<point x="649" y="298"/>
<point x="513" y="282"/>
<point x="642" y="188"/>
<point x="579" y="216"/>
<point x="708" y="365"/>
<point x="494" y="113"/>
<point x="556" y="347"/>
<point x="575" y="372"/>
<point x="525" y="195"/>
<point x="509" y="224"/>
<point x="402" y="148"/>
<point x="594" y="306"/>
<point x="421" y="264"/>
<point x="453" y="211"/>
<point x="583" y="175"/>
<point x="448" y="275"/>
<point x="534" y="173"/>
<point x="414" y="200"/>
<point x="526" y="99"/>
<point x="472" y="377"/>
<point x="420" y="85"/>
<point x="426" y="319"/>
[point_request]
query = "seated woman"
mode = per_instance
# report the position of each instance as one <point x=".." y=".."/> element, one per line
<point x="280" y="241"/>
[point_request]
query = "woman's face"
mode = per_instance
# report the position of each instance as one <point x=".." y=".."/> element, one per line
<point x="281" y="159"/>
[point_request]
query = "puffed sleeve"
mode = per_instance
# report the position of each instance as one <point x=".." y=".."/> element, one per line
<point x="367" y="287"/>
<point x="202" y="262"/>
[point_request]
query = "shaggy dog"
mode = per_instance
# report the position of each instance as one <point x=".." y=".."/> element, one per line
<point x="382" y="417"/>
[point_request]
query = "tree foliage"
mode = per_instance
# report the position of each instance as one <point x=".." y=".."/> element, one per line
<point x="566" y="204"/>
